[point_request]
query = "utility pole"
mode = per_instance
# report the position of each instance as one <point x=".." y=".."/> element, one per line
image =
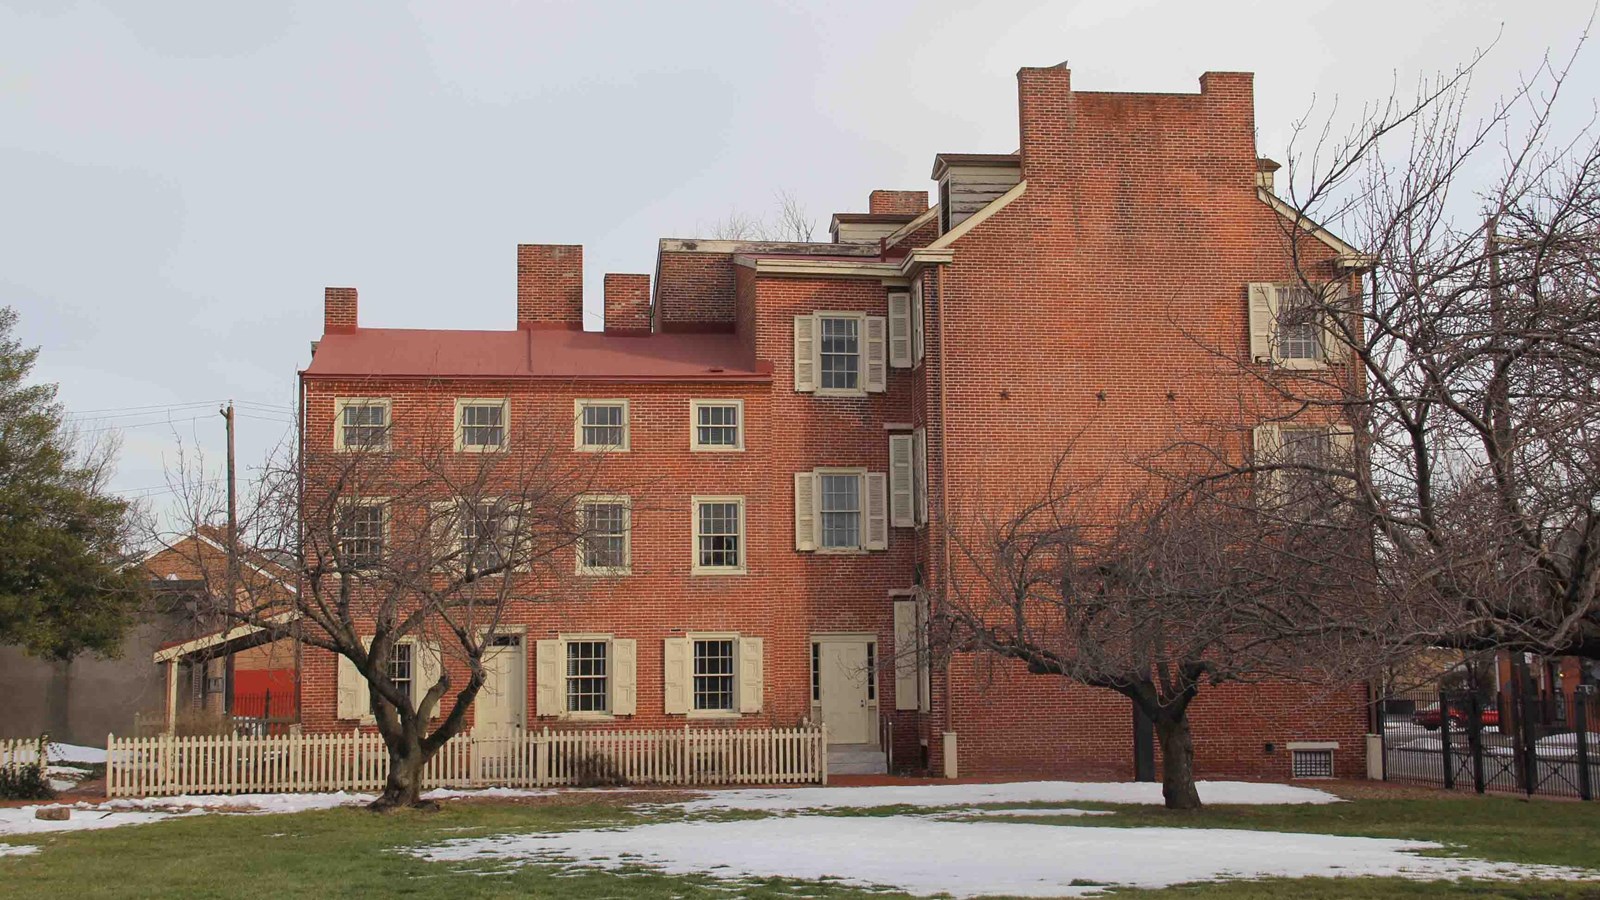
<point x="232" y="585"/>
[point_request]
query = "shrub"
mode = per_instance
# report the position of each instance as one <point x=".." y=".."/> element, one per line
<point x="27" y="780"/>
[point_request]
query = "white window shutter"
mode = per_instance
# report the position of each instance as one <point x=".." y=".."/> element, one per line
<point x="905" y="654"/>
<point x="1268" y="451"/>
<point x="919" y="473"/>
<point x="805" y="511"/>
<point x="1333" y="341"/>
<point x="675" y="675"/>
<point x="353" y="695"/>
<point x="924" y="654"/>
<point x="902" y="493"/>
<point x="876" y="364"/>
<point x="805" y="353"/>
<point x="430" y="662"/>
<point x="900" y="329"/>
<point x="752" y="674"/>
<point x="918" y="341"/>
<point x="1263" y="318"/>
<point x="624" y="677"/>
<point x="877" y="512"/>
<point x="548" y="695"/>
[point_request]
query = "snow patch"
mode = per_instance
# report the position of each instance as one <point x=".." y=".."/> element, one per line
<point x="76" y="753"/>
<point x="1031" y="811"/>
<point x="926" y="856"/>
<point x="18" y="849"/>
<point x="20" y="819"/>
<point x="1213" y="792"/>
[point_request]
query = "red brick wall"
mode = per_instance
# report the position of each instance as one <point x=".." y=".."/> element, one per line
<point x="897" y="202"/>
<point x="695" y="291"/>
<point x="1087" y="314"/>
<point x="549" y="286"/>
<point x="627" y="303"/>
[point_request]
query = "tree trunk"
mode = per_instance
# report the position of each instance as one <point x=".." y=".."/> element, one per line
<point x="1177" y="761"/>
<point x="403" y="788"/>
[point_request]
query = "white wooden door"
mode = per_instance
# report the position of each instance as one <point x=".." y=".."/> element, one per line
<point x="502" y="703"/>
<point x="843" y="682"/>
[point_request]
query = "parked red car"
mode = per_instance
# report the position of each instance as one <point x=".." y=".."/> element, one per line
<point x="1428" y="716"/>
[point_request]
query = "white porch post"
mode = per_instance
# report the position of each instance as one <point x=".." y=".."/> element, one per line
<point x="172" y="696"/>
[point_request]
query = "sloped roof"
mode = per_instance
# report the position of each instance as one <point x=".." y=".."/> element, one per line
<point x="533" y="353"/>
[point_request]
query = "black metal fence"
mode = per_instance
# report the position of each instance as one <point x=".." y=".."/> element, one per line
<point x="1459" y="736"/>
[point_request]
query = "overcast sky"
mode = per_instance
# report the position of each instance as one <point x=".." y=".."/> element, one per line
<point x="179" y="180"/>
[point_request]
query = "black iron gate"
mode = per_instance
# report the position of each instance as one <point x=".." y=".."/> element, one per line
<point x="1458" y="735"/>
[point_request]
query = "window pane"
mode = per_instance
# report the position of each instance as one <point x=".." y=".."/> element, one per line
<point x="602" y="425"/>
<point x="586" y="676"/>
<point x="365" y="425"/>
<point x="361" y="535"/>
<point x="719" y="535"/>
<point x="605" y="535"/>
<point x="483" y="534"/>
<point x="717" y="426"/>
<point x="840" y="353"/>
<point x="841" y="511"/>
<point x="1299" y="328"/>
<point x="400" y="667"/>
<point x="483" y="425"/>
<point x="713" y="675"/>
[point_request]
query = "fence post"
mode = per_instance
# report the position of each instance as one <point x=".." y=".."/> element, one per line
<point x="1475" y="736"/>
<point x="1525" y="741"/>
<point x="1444" y="741"/>
<point x="1580" y="726"/>
<point x="822" y="750"/>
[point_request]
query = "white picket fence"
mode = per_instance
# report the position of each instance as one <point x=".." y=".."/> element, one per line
<point x="357" y="761"/>
<point x="20" y="752"/>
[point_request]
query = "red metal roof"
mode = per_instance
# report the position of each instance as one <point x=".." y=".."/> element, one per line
<point x="534" y="353"/>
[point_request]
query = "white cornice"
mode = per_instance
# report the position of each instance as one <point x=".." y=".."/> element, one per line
<point x="1349" y="257"/>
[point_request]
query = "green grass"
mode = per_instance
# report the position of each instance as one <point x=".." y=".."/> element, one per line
<point x="350" y="853"/>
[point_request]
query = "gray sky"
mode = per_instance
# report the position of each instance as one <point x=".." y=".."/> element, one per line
<point x="179" y="180"/>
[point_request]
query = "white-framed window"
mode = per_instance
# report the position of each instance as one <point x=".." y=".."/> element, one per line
<point x="605" y="545"/>
<point x="1299" y="465"/>
<point x="719" y="545"/>
<point x="360" y="534"/>
<point x="484" y="532"/>
<point x="841" y="510"/>
<point x="841" y="354"/>
<point x="402" y="671"/>
<point x="361" y="423"/>
<point x="1292" y="325"/>
<point x="482" y="425"/>
<point x="586" y="676"/>
<point x="414" y="667"/>
<point x="716" y="425"/>
<point x="600" y="425"/>
<point x="714" y="688"/>
<point x="715" y="674"/>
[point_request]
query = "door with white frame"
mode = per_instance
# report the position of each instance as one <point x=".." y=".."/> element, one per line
<point x="844" y="693"/>
<point x="502" y="704"/>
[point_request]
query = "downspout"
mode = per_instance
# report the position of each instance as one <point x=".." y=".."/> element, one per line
<point x="944" y="480"/>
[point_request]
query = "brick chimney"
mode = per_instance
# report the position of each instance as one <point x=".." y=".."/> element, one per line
<point x="338" y="309"/>
<point x="627" y="304"/>
<point x="904" y="203"/>
<point x="550" y="286"/>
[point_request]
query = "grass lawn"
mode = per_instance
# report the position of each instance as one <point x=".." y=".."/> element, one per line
<point x="349" y="852"/>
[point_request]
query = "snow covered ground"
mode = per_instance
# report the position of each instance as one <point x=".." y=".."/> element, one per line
<point x="924" y="856"/>
<point x="1211" y="792"/>
<point x="72" y="753"/>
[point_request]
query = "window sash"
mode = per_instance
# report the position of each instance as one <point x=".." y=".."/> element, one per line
<point x="839" y="353"/>
<point x="364" y="424"/>
<point x="713" y="678"/>
<point x="604" y="425"/>
<point x="605" y="534"/>
<point x="483" y="534"/>
<point x="588" y="677"/>
<point x="402" y="667"/>
<point x="717" y="425"/>
<point x="360" y="534"/>
<point x="840" y="511"/>
<point x="719" y="534"/>
<point x="1299" y="333"/>
<point x="483" y="425"/>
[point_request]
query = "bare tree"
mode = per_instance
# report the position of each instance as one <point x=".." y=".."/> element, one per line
<point x="789" y="222"/>
<point x="396" y="542"/>
<point x="1162" y="594"/>
<point x="1475" y="350"/>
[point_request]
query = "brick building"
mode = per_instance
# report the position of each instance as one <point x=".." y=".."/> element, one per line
<point x="798" y="414"/>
